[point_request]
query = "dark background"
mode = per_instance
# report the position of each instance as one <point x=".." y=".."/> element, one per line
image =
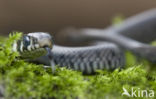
<point x="53" y="15"/>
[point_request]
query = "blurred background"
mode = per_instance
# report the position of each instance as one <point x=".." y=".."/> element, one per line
<point x="54" y="15"/>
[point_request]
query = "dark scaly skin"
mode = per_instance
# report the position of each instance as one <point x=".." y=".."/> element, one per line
<point x="86" y="59"/>
<point x="131" y="35"/>
<point x="141" y="27"/>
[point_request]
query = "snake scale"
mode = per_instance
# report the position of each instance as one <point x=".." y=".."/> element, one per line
<point x="133" y="34"/>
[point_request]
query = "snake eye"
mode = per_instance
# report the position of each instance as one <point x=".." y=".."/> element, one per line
<point x="26" y="41"/>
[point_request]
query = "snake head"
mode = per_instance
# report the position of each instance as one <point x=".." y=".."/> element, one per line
<point x="33" y="45"/>
<point x="43" y="39"/>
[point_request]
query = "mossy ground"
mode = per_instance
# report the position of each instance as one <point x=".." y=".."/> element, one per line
<point x="23" y="80"/>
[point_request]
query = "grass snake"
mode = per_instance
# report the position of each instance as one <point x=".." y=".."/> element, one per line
<point x="133" y="35"/>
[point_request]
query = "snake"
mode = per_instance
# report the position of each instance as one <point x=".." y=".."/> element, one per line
<point x="133" y="34"/>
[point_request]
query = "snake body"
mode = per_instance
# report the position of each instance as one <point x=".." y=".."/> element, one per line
<point x="132" y="35"/>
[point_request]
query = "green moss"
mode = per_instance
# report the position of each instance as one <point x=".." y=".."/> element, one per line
<point x="20" y="79"/>
<point x="117" y="19"/>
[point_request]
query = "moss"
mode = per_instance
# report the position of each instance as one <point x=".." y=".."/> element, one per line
<point x="20" y="79"/>
<point x="117" y="19"/>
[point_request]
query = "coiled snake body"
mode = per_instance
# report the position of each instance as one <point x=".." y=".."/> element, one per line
<point x="132" y="35"/>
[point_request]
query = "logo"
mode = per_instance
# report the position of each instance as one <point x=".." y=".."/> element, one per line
<point x="137" y="92"/>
